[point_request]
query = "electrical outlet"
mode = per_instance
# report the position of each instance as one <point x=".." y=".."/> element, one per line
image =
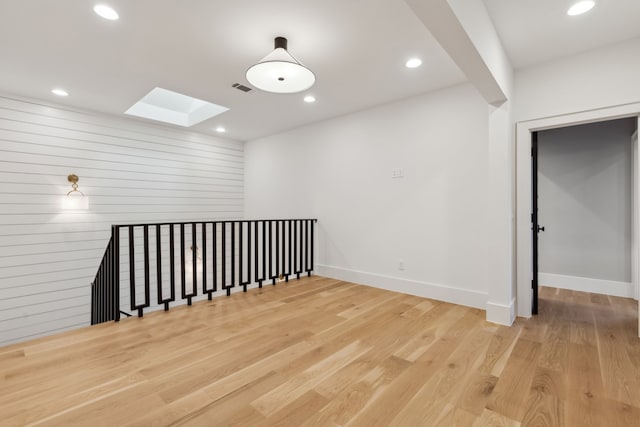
<point x="401" y="265"/>
<point x="397" y="173"/>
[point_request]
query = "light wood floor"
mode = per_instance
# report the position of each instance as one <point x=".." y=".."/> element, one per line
<point x="319" y="352"/>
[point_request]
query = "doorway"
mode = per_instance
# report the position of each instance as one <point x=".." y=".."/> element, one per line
<point x="582" y="208"/>
<point x="523" y="245"/>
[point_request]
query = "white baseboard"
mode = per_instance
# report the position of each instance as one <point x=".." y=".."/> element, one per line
<point x="501" y="314"/>
<point x="445" y="293"/>
<point x="585" y="284"/>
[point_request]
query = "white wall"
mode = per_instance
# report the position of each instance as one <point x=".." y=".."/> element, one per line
<point x="340" y="171"/>
<point x="595" y="79"/>
<point x="584" y="197"/>
<point x="132" y="173"/>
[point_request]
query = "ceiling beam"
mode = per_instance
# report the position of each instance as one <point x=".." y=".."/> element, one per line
<point x="464" y="29"/>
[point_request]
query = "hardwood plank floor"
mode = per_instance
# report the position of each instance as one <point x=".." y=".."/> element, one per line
<point x="320" y="352"/>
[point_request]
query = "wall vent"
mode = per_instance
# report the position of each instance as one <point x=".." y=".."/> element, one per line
<point x="242" y="87"/>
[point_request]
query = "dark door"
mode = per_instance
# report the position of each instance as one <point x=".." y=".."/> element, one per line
<point x="534" y="219"/>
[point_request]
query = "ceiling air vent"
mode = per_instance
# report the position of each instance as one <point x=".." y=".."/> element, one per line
<point x="242" y="87"/>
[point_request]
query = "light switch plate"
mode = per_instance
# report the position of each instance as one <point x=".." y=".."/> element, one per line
<point x="397" y="173"/>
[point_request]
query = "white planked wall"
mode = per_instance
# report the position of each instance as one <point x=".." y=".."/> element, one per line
<point x="132" y="173"/>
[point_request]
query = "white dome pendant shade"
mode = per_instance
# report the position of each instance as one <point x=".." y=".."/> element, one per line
<point x="280" y="72"/>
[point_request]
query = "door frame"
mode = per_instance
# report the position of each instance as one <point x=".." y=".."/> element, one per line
<point x="535" y="259"/>
<point x="635" y="200"/>
<point x="524" y="244"/>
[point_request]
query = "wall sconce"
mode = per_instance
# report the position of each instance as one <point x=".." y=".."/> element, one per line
<point x="75" y="199"/>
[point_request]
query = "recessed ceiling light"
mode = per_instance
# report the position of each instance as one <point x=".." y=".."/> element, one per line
<point x="59" y="92"/>
<point x="309" y="99"/>
<point x="581" y="7"/>
<point x="220" y="129"/>
<point x="107" y="12"/>
<point x="414" y="63"/>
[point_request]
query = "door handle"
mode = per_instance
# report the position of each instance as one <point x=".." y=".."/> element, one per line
<point x="540" y="228"/>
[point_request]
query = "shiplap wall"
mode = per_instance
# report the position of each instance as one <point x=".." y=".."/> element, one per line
<point x="131" y="172"/>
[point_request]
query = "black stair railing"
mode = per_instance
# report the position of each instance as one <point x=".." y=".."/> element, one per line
<point x="211" y="256"/>
<point x="102" y="303"/>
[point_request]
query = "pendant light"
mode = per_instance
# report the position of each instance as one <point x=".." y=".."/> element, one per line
<point x="280" y="72"/>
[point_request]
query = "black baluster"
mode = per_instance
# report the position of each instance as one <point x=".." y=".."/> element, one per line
<point x="194" y="264"/>
<point x="161" y="299"/>
<point x="275" y="277"/>
<point x="204" y="261"/>
<point x="241" y="256"/>
<point x="306" y="244"/>
<point x="106" y="268"/>
<point x="283" y="257"/>
<point x="281" y="249"/>
<point x="94" y="304"/>
<point x="94" y="313"/>
<point x="146" y="262"/>
<point x="172" y="264"/>
<point x="233" y="254"/>
<point x="224" y="259"/>
<point x="183" y="274"/>
<point x="311" y="224"/>
<point x="256" y="253"/>
<point x="289" y="252"/>
<point x="264" y="253"/>
<point x="132" y="273"/>
<point x="99" y="295"/>
<point x="310" y="264"/>
<point x="295" y="248"/>
<point x="214" y="256"/>
<point x="115" y="233"/>
<point x="103" y="294"/>
<point x="271" y="252"/>
<point x="248" y="255"/>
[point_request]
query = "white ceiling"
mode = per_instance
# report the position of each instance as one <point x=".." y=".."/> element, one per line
<point x="536" y="31"/>
<point x="356" y="48"/>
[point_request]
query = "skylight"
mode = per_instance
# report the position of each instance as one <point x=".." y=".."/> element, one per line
<point x="171" y="107"/>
